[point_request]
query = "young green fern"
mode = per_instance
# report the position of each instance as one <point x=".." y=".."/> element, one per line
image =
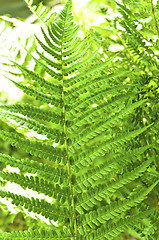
<point x="86" y="168"/>
<point x="134" y="39"/>
<point x="42" y="12"/>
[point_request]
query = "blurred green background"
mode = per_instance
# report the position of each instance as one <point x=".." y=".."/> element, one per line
<point x="16" y="8"/>
<point x="19" y="9"/>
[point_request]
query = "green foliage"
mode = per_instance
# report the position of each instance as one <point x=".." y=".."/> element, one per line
<point x="42" y="12"/>
<point x="100" y="171"/>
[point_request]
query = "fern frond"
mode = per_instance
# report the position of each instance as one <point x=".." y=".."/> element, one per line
<point x="47" y="172"/>
<point x="37" y="95"/>
<point x="135" y="40"/>
<point x="87" y="157"/>
<point x="102" y="125"/>
<point x="103" y="214"/>
<point x="93" y="196"/>
<point x="49" y="86"/>
<point x="93" y="83"/>
<point x="37" y="234"/>
<point x="51" y="133"/>
<point x="42" y="149"/>
<point x="115" y="164"/>
<point x="111" y="230"/>
<point x="48" y="61"/>
<point x="93" y="97"/>
<point x="94" y="175"/>
<point x="34" y="112"/>
<point x="88" y="73"/>
<point x="46" y="209"/>
<point x="48" y="50"/>
<point x="42" y="12"/>
<point x="38" y="184"/>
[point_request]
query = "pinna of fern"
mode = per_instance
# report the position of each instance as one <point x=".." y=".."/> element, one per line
<point x="96" y="186"/>
<point x="43" y="13"/>
<point x="136" y="41"/>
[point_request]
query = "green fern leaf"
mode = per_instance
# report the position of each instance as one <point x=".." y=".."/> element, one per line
<point x="96" y="182"/>
<point x="42" y="12"/>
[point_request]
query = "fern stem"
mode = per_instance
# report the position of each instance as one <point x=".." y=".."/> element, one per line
<point x="66" y="142"/>
<point x="154" y="16"/>
<point x="68" y="162"/>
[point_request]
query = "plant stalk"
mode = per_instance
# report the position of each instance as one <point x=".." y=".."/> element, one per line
<point x="155" y="20"/>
